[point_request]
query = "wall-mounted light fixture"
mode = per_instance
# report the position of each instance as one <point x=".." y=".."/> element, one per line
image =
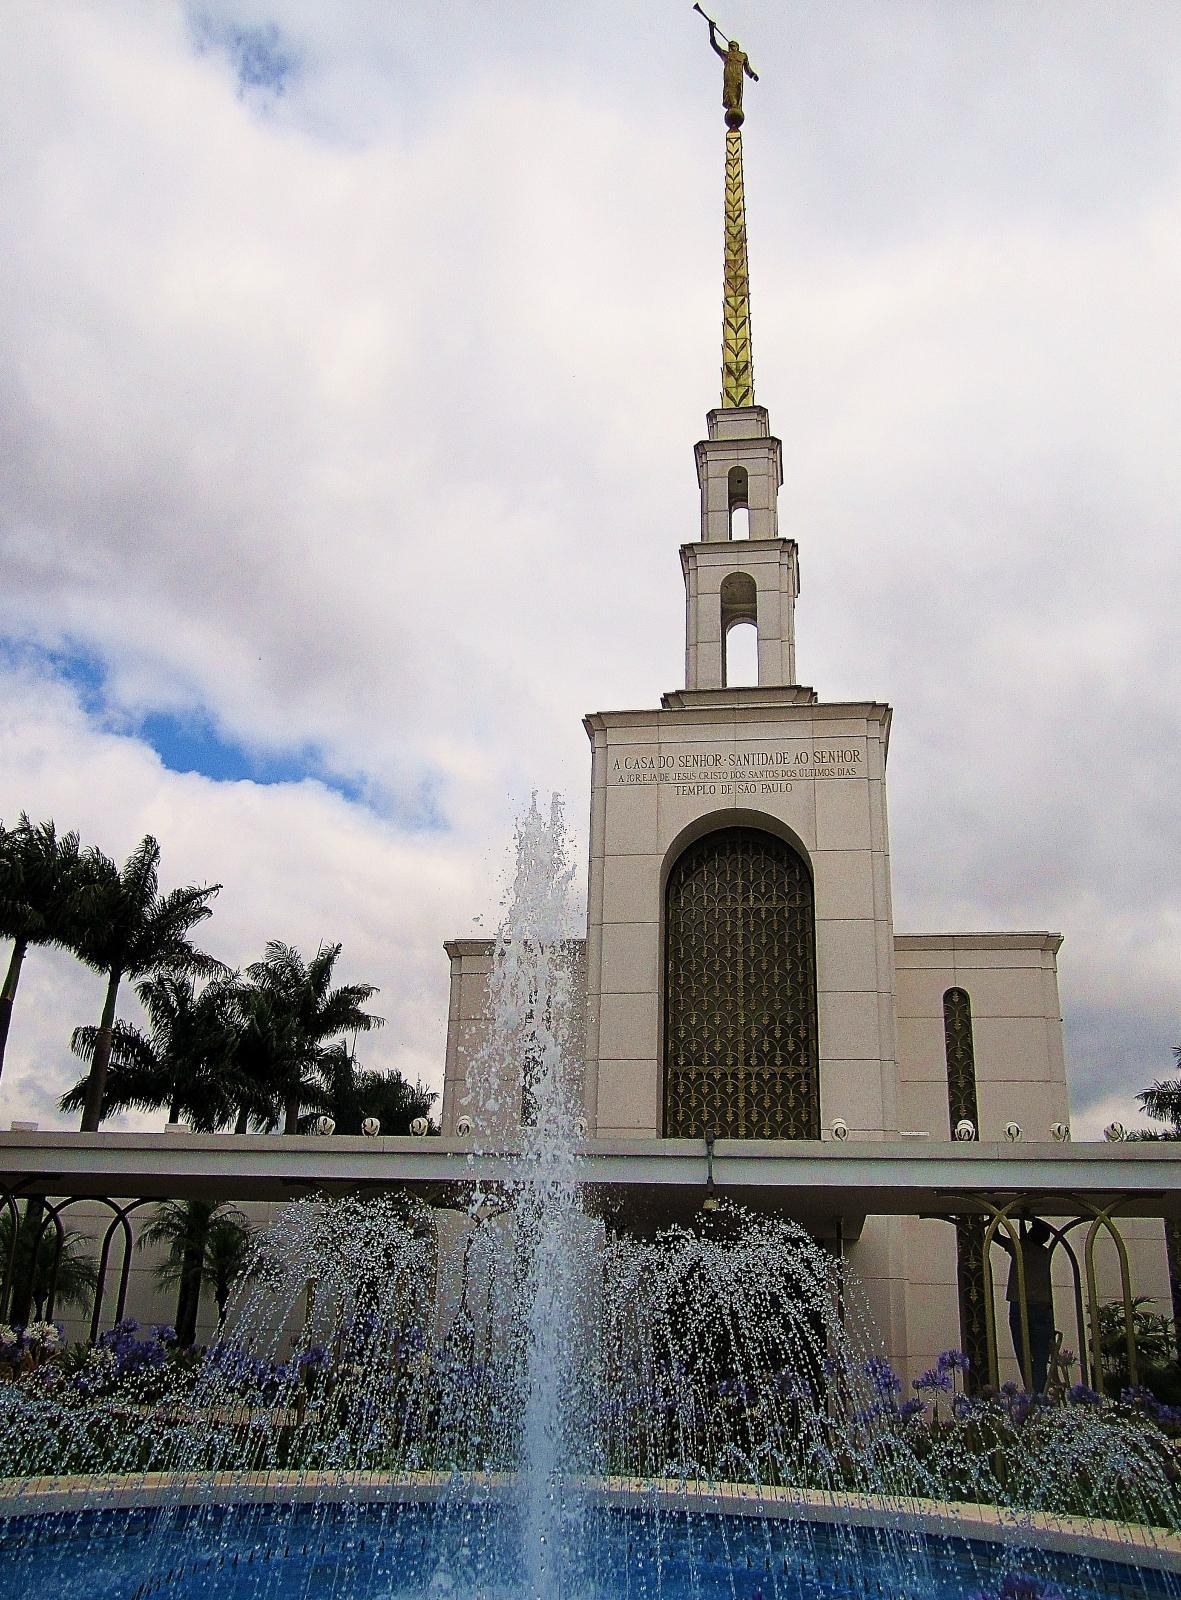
<point x="965" y="1130"/>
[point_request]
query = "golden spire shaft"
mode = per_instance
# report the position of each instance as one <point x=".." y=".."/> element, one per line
<point x="738" y="378"/>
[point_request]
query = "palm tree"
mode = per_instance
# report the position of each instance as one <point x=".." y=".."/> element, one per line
<point x="76" y="1277"/>
<point x="44" y="883"/>
<point x="203" y="1240"/>
<point x="304" y="1014"/>
<point x="229" y="1247"/>
<point x="266" y="1058"/>
<point x="388" y="1096"/>
<point x="185" y="1061"/>
<point x="1162" y="1102"/>
<point x="136" y="931"/>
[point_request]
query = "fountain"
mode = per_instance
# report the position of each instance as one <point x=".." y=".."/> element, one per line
<point x="517" y="1398"/>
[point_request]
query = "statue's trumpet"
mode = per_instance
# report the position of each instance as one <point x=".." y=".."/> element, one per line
<point x="710" y="20"/>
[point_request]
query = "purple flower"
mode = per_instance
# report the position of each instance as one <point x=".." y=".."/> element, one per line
<point x="313" y="1359"/>
<point x="1079" y="1394"/>
<point x="933" y="1378"/>
<point x="911" y="1408"/>
<point x="882" y="1376"/>
<point x="953" y="1361"/>
<point x="961" y="1407"/>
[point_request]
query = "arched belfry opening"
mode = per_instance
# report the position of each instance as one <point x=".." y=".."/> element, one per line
<point x="738" y="500"/>
<point x="741" y="1059"/>
<point x="740" y="611"/>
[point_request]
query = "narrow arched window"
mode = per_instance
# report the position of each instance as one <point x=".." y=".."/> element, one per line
<point x="961" y="1059"/>
<point x="960" y="1056"/>
<point x="741" y="1059"/>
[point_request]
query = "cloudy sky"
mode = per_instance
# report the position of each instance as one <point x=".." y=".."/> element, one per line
<point x="351" y="359"/>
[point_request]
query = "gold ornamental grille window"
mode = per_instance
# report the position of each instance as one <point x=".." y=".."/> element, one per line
<point x="961" y="1058"/>
<point x="961" y="1103"/>
<point x="740" y="1053"/>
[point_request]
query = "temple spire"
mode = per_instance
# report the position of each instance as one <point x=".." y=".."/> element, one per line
<point x="738" y="378"/>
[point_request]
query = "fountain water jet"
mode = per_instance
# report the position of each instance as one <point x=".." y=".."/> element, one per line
<point x="525" y="1087"/>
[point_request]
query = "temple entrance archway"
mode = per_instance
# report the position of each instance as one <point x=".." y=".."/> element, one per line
<point x="740" y="1027"/>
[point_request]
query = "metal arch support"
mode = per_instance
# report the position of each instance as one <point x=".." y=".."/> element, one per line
<point x="1102" y="1219"/>
<point x="1080" y="1323"/>
<point x="1001" y="1215"/>
<point x="1099" y="1218"/>
<point x="466" y="1308"/>
<point x="52" y="1214"/>
<point x="119" y="1220"/>
<point x="8" y="1198"/>
<point x="103" y="1260"/>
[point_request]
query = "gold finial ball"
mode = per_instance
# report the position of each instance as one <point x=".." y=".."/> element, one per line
<point x="735" y="116"/>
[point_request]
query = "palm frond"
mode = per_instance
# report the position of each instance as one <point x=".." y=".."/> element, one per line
<point x="1162" y="1101"/>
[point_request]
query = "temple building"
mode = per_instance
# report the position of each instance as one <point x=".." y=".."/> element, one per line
<point x="744" y="977"/>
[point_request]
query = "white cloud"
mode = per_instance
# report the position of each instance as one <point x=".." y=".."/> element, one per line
<point x="296" y="862"/>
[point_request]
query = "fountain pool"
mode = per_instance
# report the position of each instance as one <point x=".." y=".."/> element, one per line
<point x="362" y="1550"/>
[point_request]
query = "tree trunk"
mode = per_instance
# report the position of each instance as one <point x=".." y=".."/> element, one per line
<point x="8" y="993"/>
<point x="243" y="1118"/>
<point x="291" y="1120"/>
<point x="25" y="1265"/>
<point x="96" y="1083"/>
<point x="188" y="1299"/>
<point x="1173" y="1255"/>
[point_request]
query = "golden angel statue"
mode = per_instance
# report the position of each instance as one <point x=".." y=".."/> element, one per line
<point x="735" y="66"/>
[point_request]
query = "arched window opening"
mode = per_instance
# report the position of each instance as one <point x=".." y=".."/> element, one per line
<point x="741" y="1058"/>
<point x="961" y="1059"/>
<point x="742" y="656"/>
<point x="740" y="604"/>
<point x="737" y="493"/>
<point x="971" y="1265"/>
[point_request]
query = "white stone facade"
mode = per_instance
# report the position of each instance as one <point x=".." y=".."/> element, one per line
<point x="778" y="759"/>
